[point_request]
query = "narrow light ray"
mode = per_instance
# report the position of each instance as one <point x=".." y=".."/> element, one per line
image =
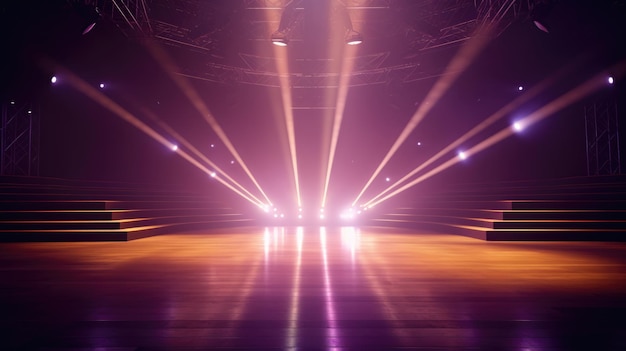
<point x="342" y="94"/>
<point x="548" y="110"/>
<point x="504" y="111"/>
<point x="201" y="107"/>
<point x="196" y="152"/>
<point x="97" y="96"/>
<point x="281" y="66"/>
<point x="466" y="55"/>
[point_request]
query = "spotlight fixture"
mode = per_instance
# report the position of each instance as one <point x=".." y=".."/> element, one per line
<point x="610" y="80"/>
<point x="90" y="16"/>
<point x="53" y="79"/>
<point x="354" y="38"/>
<point x="539" y="15"/>
<point x="279" y="38"/>
<point x="289" y="20"/>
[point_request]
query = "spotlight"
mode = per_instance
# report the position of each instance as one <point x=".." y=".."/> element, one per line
<point x="299" y="216"/>
<point x="90" y="16"/>
<point x="462" y="155"/>
<point x="53" y="79"/>
<point x="101" y="85"/>
<point x="610" y="80"/>
<point x="213" y="174"/>
<point x="279" y="38"/>
<point x="518" y="126"/>
<point x="539" y="15"/>
<point x="212" y="146"/>
<point x="520" y="88"/>
<point x="174" y="147"/>
<point x="354" y="38"/>
<point x="419" y="143"/>
<point x="387" y="179"/>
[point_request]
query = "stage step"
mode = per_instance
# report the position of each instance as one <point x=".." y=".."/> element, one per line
<point x="550" y="210"/>
<point x="57" y="210"/>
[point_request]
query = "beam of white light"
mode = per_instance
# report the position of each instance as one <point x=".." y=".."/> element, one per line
<point x="197" y="152"/>
<point x="342" y="94"/>
<point x="504" y="111"/>
<point x="169" y="67"/>
<point x="466" y="55"/>
<point x="106" y="102"/>
<point x="281" y="66"/>
<point x="550" y="109"/>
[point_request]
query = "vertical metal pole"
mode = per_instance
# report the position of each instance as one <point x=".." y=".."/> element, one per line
<point x="619" y="159"/>
<point x="587" y="139"/>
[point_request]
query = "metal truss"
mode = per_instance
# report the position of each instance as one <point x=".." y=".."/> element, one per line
<point x="449" y="23"/>
<point x="19" y="139"/>
<point x="601" y="124"/>
<point x="132" y="17"/>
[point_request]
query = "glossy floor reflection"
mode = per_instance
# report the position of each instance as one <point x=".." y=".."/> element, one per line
<point x="312" y="289"/>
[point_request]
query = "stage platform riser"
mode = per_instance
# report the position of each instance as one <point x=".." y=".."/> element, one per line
<point x="77" y="212"/>
<point x="575" y="209"/>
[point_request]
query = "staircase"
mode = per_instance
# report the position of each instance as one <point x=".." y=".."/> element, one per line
<point x="44" y="209"/>
<point x="581" y="209"/>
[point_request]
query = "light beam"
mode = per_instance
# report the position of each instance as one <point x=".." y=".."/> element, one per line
<point x="466" y="55"/>
<point x="551" y="108"/>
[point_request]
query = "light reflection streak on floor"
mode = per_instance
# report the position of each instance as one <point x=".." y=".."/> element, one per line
<point x="292" y="329"/>
<point x="333" y="339"/>
<point x="369" y="258"/>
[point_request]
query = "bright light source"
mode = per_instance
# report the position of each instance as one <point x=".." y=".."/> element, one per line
<point x="232" y="162"/>
<point x="462" y="155"/>
<point x="419" y="143"/>
<point x="610" y="80"/>
<point x="299" y="216"/>
<point x="266" y="208"/>
<point x="213" y="174"/>
<point x="212" y="145"/>
<point x="518" y="126"/>
<point x="101" y="85"/>
<point x="387" y="179"/>
<point x="322" y="216"/>
<point x="300" y="209"/>
<point x="12" y="102"/>
<point x="53" y="79"/>
<point x="275" y="215"/>
<point x="174" y="147"/>
<point x="279" y="38"/>
<point x="354" y="38"/>
<point x="520" y="88"/>
<point x="282" y="215"/>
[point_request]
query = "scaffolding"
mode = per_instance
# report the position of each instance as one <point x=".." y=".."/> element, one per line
<point x="19" y="139"/>
<point x="602" y="129"/>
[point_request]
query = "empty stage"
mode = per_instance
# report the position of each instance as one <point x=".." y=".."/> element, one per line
<point x="312" y="289"/>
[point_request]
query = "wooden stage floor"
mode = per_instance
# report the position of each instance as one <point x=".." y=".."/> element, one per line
<point x="312" y="289"/>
